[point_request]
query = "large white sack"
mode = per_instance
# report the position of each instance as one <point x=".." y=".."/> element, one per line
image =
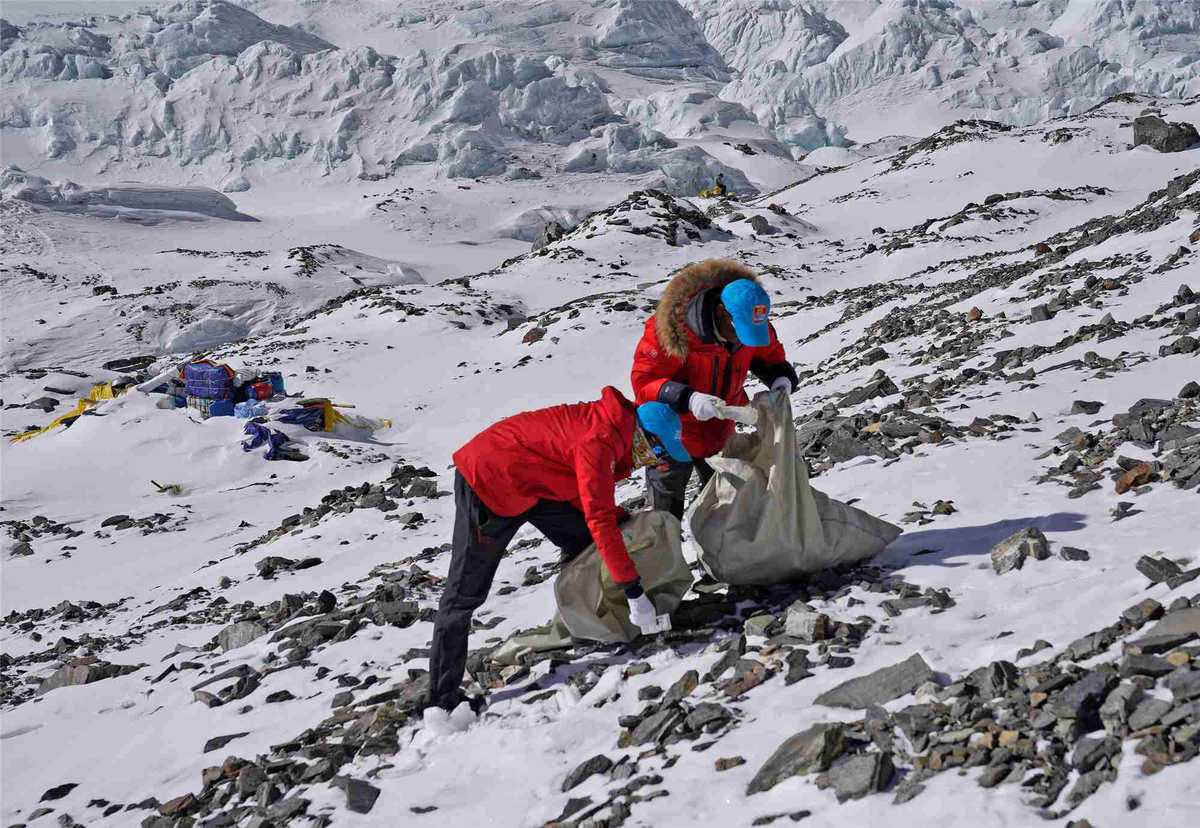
<point x="758" y="521"/>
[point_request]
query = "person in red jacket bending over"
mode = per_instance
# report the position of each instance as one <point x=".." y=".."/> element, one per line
<point x="711" y="328"/>
<point x="556" y="468"/>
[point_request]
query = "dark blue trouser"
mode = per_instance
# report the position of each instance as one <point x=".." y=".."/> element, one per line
<point x="666" y="485"/>
<point x="480" y="538"/>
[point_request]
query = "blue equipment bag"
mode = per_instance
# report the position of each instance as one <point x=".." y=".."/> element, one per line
<point x="208" y="380"/>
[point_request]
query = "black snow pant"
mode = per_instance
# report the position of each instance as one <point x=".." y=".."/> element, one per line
<point x="480" y="538"/>
<point x="666" y="485"/>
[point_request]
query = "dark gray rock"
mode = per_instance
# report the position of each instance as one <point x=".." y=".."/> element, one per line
<point x="1183" y="345"/>
<point x="422" y="487"/>
<point x="552" y="231"/>
<point x="760" y="225"/>
<point x="809" y="750"/>
<point x="1180" y="713"/>
<point x="1040" y="313"/>
<point x="995" y="679"/>
<point x="1184" y="577"/>
<point x="1184" y="685"/>
<point x="1011" y="552"/>
<point x="1119" y="705"/>
<point x="360" y="795"/>
<point x="706" y="714"/>
<point x="1148" y="713"/>
<point x="249" y="778"/>
<point x="881" y="686"/>
<point x="136" y="363"/>
<point x="1086" y="407"/>
<point x="880" y="385"/>
<point x="748" y="673"/>
<point x="758" y="624"/>
<point x="1081" y="701"/>
<point x="653" y="728"/>
<point x="393" y="613"/>
<point x="1071" y="553"/>
<point x="1155" y="644"/>
<point x="84" y="671"/>
<point x="1087" y="784"/>
<point x="798" y="667"/>
<point x="1184" y="621"/>
<point x="574" y="804"/>
<point x="908" y="790"/>
<point x="1157" y="569"/>
<point x="994" y="775"/>
<point x="1144" y="665"/>
<point x="806" y="624"/>
<point x="860" y="775"/>
<point x="218" y="742"/>
<point x="1092" y="750"/>
<point x="408" y="518"/>
<point x="1162" y="135"/>
<point x="682" y="688"/>
<point x="268" y="566"/>
<point x="376" y="500"/>
<point x="58" y="791"/>
<point x="597" y="764"/>
<point x="841" y="448"/>
<point x="286" y="809"/>
<point x="239" y="635"/>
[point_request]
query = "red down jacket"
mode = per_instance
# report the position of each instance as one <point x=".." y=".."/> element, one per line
<point x="573" y="453"/>
<point x="671" y="356"/>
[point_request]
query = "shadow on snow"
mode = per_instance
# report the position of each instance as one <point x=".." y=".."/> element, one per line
<point x="942" y="546"/>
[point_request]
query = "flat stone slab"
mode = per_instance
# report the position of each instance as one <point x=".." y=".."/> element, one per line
<point x="1178" y="622"/>
<point x="805" y="752"/>
<point x="880" y="686"/>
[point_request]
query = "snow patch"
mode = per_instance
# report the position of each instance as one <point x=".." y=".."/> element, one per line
<point x="133" y="202"/>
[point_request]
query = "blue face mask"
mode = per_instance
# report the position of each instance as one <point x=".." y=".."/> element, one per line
<point x="656" y="445"/>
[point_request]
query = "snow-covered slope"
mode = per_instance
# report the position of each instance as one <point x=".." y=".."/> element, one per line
<point x="994" y="324"/>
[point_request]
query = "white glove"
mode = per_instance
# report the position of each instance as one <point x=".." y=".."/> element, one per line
<point x="703" y="406"/>
<point x="782" y="384"/>
<point x="643" y="614"/>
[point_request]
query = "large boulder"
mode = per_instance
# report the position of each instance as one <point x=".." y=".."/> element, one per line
<point x="239" y="634"/>
<point x="881" y="686"/>
<point x="84" y="671"/>
<point x="1011" y="552"/>
<point x="808" y="751"/>
<point x="1163" y="136"/>
<point x="551" y="232"/>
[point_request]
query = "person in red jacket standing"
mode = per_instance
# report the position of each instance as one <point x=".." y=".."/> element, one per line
<point x="711" y="328"/>
<point x="556" y="468"/>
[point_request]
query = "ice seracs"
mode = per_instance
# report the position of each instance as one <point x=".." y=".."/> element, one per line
<point x="482" y="91"/>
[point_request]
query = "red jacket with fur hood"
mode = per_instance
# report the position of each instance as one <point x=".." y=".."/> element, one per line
<point x="573" y="453"/>
<point x="679" y="353"/>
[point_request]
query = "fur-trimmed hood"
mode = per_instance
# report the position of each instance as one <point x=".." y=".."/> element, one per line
<point x="670" y="323"/>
